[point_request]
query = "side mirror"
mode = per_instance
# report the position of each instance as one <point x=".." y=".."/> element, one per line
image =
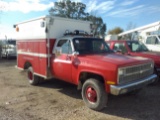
<point x="58" y="51"/>
<point x="118" y="51"/>
<point x="75" y="53"/>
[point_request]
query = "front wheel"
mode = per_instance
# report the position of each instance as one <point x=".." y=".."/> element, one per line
<point x="33" y="79"/>
<point x="94" y="95"/>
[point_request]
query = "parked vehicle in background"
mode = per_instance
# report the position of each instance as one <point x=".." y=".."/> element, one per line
<point x="135" y="48"/>
<point x="55" y="48"/>
<point x="8" y="48"/>
<point x="0" y="48"/>
<point x="153" y="42"/>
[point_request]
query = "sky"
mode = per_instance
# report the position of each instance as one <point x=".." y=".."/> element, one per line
<point x="115" y="13"/>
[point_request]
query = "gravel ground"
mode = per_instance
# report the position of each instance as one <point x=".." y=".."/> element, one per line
<point x="57" y="100"/>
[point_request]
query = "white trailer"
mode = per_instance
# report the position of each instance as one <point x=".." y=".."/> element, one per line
<point x="148" y="34"/>
<point x="143" y="31"/>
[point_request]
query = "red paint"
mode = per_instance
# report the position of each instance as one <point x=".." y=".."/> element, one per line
<point x="33" y="49"/>
<point x="62" y="70"/>
<point x="91" y="94"/>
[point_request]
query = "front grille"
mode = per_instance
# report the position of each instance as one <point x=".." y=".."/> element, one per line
<point x="136" y="72"/>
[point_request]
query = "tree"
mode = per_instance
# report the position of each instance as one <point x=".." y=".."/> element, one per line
<point x="76" y="10"/>
<point x="99" y="27"/>
<point x="2" y="7"/>
<point x="115" y="31"/>
<point x="69" y="9"/>
<point x="130" y="26"/>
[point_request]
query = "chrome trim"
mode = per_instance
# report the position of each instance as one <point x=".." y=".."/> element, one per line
<point x="62" y="61"/>
<point x="134" y="72"/>
<point x="43" y="76"/>
<point x="125" y="88"/>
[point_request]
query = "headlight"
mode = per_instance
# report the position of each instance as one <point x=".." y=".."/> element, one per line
<point x="121" y="72"/>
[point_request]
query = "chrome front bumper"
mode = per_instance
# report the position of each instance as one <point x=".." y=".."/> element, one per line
<point x="125" y="88"/>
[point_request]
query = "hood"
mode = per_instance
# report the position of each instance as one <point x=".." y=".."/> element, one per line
<point x="152" y="55"/>
<point x="116" y="59"/>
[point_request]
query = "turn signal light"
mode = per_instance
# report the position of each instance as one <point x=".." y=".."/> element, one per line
<point x="111" y="83"/>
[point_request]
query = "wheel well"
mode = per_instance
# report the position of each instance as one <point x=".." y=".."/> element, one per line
<point x="27" y="65"/>
<point x="86" y="75"/>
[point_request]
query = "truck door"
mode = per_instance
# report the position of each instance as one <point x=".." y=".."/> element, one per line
<point x="62" y="63"/>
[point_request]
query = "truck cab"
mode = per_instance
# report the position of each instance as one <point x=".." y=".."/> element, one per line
<point x="90" y="64"/>
<point x="75" y="55"/>
<point x="153" y="42"/>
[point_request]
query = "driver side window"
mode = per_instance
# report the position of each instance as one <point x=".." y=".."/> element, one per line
<point x="65" y="46"/>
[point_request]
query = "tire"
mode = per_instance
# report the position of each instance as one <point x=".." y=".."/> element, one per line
<point x="94" y="95"/>
<point x="33" y="79"/>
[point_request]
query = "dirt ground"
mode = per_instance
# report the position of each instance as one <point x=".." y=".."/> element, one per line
<point x="57" y="100"/>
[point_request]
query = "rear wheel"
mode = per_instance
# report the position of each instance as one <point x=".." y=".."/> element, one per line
<point x="33" y="79"/>
<point x="94" y="95"/>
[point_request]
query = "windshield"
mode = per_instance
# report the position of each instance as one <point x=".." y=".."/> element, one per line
<point x="12" y="42"/>
<point x="90" y="45"/>
<point x="136" y="46"/>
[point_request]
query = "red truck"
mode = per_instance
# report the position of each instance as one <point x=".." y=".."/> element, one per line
<point x="135" y="48"/>
<point x="75" y="57"/>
